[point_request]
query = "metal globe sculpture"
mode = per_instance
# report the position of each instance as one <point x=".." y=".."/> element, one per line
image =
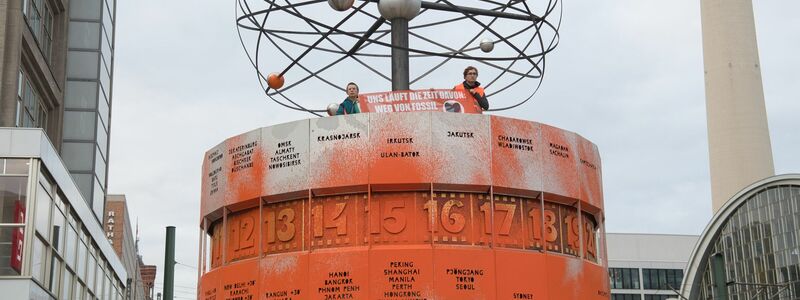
<point x="321" y="52"/>
<point x="275" y="81"/>
<point x="487" y="45"/>
<point x="341" y="5"/>
<point x="399" y="9"/>
<point x="333" y="108"/>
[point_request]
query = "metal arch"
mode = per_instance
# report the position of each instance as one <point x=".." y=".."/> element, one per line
<point x="364" y="39"/>
<point x="691" y="284"/>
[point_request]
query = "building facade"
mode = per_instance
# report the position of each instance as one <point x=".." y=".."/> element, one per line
<point x="117" y="225"/>
<point x="647" y="266"/>
<point x="56" y="74"/>
<point x="756" y="232"/>
<point x="51" y="245"/>
<point x="56" y="66"/>
<point x="87" y="96"/>
<point x="148" y="279"/>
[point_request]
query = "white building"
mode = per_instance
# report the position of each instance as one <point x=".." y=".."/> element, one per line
<point x="647" y="266"/>
<point x="52" y="246"/>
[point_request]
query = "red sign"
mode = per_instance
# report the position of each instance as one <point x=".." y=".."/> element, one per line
<point x="17" y="237"/>
<point x="457" y="101"/>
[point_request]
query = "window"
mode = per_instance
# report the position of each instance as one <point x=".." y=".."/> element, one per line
<point x="81" y="95"/>
<point x="38" y="260"/>
<point x="13" y="192"/>
<point x="98" y="200"/>
<point x="71" y="243"/>
<point x="77" y="156"/>
<point x="83" y="64"/>
<point x="40" y="20"/>
<point x="79" y="125"/>
<point x="66" y="285"/>
<point x="14" y="166"/>
<point x="81" y="267"/>
<point x="55" y="273"/>
<point x="660" y="297"/>
<point x="91" y="267"/>
<point x="84" y="35"/>
<point x="85" y="9"/>
<point x="31" y="111"/>
<point x="662" y="279"/>
<point x="79" y="287"/>
<point x="624" y="278"/>
<point x="43" y="206"/>
<point x="12" y="240"/>
<point x="626" y="297"/>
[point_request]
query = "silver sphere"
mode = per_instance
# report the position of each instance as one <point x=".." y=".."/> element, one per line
<point x="487" y="45"/>
<point x="399" y="9"/>
<point x="341" y="5"/>
<point x="332" y="108"/>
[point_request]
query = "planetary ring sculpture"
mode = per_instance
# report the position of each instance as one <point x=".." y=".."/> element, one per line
<point x="316" y="45"/>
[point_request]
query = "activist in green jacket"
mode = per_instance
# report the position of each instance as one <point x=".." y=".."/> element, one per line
<point x="350" y="104"/>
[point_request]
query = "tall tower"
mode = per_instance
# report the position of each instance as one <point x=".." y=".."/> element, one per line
<point x="738" y="138"/>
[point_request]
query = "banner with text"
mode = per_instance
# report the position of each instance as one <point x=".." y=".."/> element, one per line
<point x="420" y="100"/>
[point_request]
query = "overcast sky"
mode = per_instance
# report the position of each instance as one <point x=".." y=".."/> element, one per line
<point x="628" y="75"/>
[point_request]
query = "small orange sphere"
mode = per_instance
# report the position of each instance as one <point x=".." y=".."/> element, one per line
<point x="275" y="81"/>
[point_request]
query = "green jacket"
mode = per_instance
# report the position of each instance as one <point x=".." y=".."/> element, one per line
<point x="348" y="107"/>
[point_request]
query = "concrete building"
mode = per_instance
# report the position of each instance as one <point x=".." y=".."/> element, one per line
<point x="117" y="225"/>
<point x="56" y="65"/>
<point x="647" y="266"/>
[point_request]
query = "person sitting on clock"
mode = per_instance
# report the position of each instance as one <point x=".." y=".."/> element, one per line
<point x="473" y="87"/>
<point x="350" y="104"/>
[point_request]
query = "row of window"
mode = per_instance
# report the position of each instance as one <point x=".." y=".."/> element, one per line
<point x="759" y="242"/>
<point x="39" y="17"/>
<point x="87" y="92"/>
<point x="662" y="279"/>
<point x="652" y="279"/>
<point x="639" y="297"/>
<point x="13" y="194"/>
<point x="624" y="278"/>
<point x="31" y="111"/>
<point x="64" y="260"/>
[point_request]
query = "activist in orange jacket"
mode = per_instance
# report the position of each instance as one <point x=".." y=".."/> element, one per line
<point x="472" y="86"/>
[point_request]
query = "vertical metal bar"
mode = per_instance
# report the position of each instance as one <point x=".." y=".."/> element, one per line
<point x="718" y="276"/>
<point x="169" y="264"/>
<point x="30" y="210"/>
<point x="400" y="71"/>
<point x="201" y="256"/>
